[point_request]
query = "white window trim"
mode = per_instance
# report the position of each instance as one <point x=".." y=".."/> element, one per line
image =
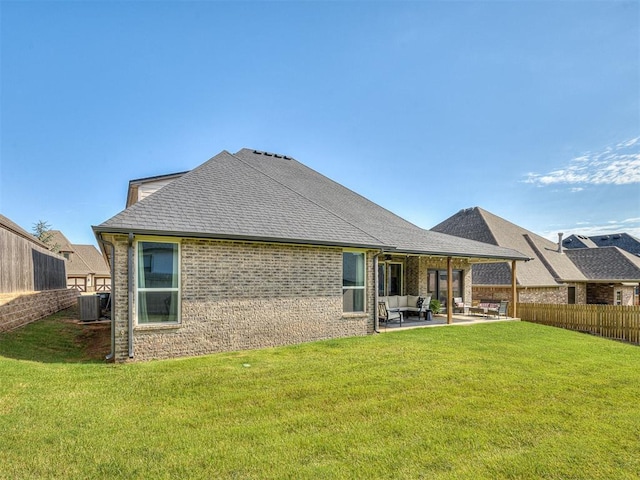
<point x="364" y="287"/>
<point x="178" y="289"/>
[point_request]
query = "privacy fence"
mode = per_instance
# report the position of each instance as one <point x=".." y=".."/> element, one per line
<point x="25" y="266"/>
<point x="615" y="322"/>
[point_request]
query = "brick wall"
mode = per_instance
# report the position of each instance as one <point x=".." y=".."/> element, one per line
<point x="241" y="295"/>
<point x="555" y="295"/>
<point x="17" y="310"/>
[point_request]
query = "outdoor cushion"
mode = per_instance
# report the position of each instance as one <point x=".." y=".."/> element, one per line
<point x="392" y="301"/>
<point x="412" y="300"/>
<point x="402" y="301"/>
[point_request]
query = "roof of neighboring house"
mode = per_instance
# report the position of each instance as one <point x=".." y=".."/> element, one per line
<point x="606" y="263"/>
<point x="253" y="195"/>
<point x="86" y="259"/>
<point x="547" y="268"/>
<point x="13" y="227"/>
<point x="623" y="241"/>
<point x="61" y="242"/>
<point x="83" y="259"/>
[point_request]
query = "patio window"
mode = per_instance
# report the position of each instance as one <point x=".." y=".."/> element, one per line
<point x="158" y="280"/>
<point x="353" y="281"/>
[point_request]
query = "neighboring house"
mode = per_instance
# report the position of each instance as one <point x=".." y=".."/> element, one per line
<point x="555" y="275"/>
<point x="254" y="249"/>
<point x="87" y="270"/>
<point x="623" y="241"/>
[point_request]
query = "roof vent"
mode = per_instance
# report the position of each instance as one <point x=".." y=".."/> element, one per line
<point x="616" y="237"/>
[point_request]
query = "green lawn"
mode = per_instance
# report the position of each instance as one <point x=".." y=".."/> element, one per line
<point x="503" y="400"/>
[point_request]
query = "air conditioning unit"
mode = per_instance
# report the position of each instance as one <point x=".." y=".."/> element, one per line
<point x="89" y="306"/>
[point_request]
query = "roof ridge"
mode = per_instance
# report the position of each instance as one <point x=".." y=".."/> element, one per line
<point x="542" y="258"/>
<point x="302" y="195"/>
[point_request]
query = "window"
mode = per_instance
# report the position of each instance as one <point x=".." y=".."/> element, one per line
<point x="353" y="285"/>
<point x="437" y="284"/>
<point x="571" y="291"/>
<point x="158" y="291"/>
<point x="390" y="278"/>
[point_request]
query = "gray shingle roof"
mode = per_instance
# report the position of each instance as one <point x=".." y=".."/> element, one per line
<point x="606" y="263"/>
<point x="624" y="241"/>
<point x="547" y="268"/>
<point x="257" y="196"/>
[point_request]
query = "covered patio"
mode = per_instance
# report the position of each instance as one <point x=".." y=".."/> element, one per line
<point x="443" y="277"/>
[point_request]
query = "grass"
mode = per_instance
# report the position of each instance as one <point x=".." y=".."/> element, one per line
<point x="502" y="400"/>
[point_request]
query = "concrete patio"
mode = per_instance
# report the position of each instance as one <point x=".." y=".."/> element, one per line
<point x="440" y="320"/>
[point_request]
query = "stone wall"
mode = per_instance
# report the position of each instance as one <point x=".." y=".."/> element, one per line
<point x="17" y="310"/>
<point x="242" y="295"/>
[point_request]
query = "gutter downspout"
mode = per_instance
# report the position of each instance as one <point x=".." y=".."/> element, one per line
<point x="112" y="297"/>
<point x="131" y="279"/>
<point x="376" y="319"/>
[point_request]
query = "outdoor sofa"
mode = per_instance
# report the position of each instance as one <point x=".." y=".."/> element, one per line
<point x="407" y="304"/>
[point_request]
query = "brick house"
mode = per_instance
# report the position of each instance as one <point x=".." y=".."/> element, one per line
<point x="253" y="249"/>
<point x="605" y="275"/>
<point x="86" y="269"/>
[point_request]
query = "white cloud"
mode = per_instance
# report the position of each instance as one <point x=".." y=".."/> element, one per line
<point x="629" y="225"/>
<point x="617" y="165"/>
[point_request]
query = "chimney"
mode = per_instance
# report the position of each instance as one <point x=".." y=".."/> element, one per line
<point x="560" y="234"/>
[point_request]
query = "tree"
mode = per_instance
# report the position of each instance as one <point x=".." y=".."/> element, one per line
<point x="42" y="230"/>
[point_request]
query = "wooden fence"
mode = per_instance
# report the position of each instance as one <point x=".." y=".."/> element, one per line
<point x="25" y="266"/>
<point x="615" y="322"/>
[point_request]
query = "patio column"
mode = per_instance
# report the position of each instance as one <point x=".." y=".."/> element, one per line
<point x="449" y="291"/>
<point x="514" y="291"/>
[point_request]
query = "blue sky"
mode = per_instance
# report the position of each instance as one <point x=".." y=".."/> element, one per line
<point x="530" y="110"/>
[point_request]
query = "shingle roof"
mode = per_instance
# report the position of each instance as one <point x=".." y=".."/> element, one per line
<point x="623" y="241"/>
<point x="86" y="259"/>
<point x="547" y="268"/>
<point x="60" y="241"/>
<point x="259" y="196"/>
<point x="606" y="263"/>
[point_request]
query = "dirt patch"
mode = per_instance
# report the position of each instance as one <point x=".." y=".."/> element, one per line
<point x="93" y="337"/>
<point x="96" y="338"/>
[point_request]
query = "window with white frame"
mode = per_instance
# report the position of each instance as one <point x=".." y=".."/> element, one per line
<point x="158" y="282"/>
<point x="353" y="281"/>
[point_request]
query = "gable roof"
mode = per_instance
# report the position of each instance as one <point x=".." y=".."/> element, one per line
<point x="142" y="187"/>
<point x="548" y="267"/>
<point x="60" y="241"/>
<point x="86" y="259"/>
<point x="606" y="264"/>
<point x="253" y="195"/>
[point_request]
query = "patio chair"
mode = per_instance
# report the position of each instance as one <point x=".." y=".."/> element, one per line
<point x="385" y="315"/>
<point x="502" y="309"/>
<point x="458" y="305"/>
